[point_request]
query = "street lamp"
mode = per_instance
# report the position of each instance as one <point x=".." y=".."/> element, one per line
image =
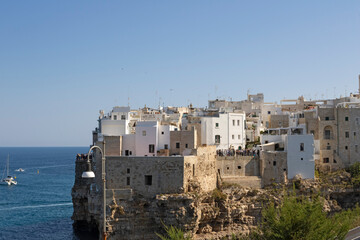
<point x="90" y="174"/>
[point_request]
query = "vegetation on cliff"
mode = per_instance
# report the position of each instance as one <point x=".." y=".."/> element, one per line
<point x="354" y="171"/>
<point x="299" y="217"/>
<point x="173" y="233"/>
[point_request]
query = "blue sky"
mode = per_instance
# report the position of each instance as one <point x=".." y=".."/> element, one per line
<point x="63" y="61"/>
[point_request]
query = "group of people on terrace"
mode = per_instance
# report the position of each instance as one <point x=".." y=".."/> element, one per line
<point x="82" y="156"/>
<point x="239" y="152"/>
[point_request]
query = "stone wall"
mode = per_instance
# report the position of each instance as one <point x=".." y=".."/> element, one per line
<point x="113" y="145"/>
<point x="147" y="176"/>
<point x="235" y="166"/>
<point x="273" y="167"/>
<point x="200" y="169"/>
<point x="279" y="121"/>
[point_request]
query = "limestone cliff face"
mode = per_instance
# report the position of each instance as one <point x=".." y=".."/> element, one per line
<point x="83" y="220"/>
<point x="211" y="215"/>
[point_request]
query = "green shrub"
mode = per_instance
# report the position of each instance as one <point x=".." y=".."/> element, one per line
<point x="173" y="233"/>
<point x="355" y="170"/>
<point x="300" y="218"/>
<point x="317" y="174"/>
<point x="218" y="195"/>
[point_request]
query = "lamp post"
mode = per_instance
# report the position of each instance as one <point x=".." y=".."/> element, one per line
<point x="90" y="174"/>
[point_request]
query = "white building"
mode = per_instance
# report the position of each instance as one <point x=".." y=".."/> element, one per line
<point x="300" y="155"/>
<point x="298" y="146"/>
<point x="225" y="131"/>
<point x="150" y="137"/>
<point x="129" y="145"/>
<point x="116" y="123"/>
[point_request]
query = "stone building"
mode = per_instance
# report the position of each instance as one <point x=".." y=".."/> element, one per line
<point x="252" y="105"/>
<point x="183" y="140"/>
<point x="338" y="132"/>
<point x="279" y="121"/>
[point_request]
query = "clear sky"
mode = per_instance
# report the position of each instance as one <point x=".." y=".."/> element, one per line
<point x="63" y="61"/>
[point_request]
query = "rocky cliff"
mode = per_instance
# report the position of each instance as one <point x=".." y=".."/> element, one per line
<point x="212" y="215"/>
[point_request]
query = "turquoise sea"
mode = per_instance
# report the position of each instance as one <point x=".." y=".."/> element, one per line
<point x="40" y="206"/>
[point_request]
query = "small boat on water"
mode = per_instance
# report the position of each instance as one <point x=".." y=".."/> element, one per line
<point x="19" y="170"/>
<point x="9" y="180"/>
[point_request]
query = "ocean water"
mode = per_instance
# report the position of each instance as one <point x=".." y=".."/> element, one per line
<point x="39" y="206"/>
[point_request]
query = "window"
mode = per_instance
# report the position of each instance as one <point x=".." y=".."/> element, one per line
<point x="238" y="122"/>
<point x="144" y="133"/>
<point x="148" y="180"/>
<point x="177" y="145"/>
<point x="326" y="160"/>
<point x="233" y="122"/>
<point x="126" y="152"/>
<point x="327" y="134"/>
<point x="346" y="118"/>
<point x="128" y="181"/>
<point x="217" y="139"/>
<point x="302" y="159"/>
<point x="346" y="147"/>
<point x="354" y="134"/>
<point x="115" y="117"/>
<point x="239" y="167"/>
<point x="274" y="163"/>
<point x="347" y="134"/>
<point x="186" y="145"/>
<point x="166" y="146"/>
<point x="269" y="112"/>
<point x="151" y="148"/>
<point x="123" y="117"/>
<point x="162" y="133"/>
<point x="312" y="132"/>
<point x="327" y="118"/>
<point x="328" y="147"/>
<point x="335" y="161"/>
<point x="216" y="125"/>
<point x="128" y="170"/>
<point x="130" y="153"/>
<point x="233" y="136"/>
<point x="301" y="147"/>
<point x="238" y="136"/>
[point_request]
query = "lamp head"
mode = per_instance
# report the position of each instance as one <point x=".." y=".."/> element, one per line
<point x="88" y="174"/>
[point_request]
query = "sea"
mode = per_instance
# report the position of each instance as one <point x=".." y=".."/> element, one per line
<point x="40" y="205"/>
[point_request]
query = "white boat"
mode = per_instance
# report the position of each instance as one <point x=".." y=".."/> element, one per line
<point x="19" y="170"/>
<point x="9" y="180"/>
